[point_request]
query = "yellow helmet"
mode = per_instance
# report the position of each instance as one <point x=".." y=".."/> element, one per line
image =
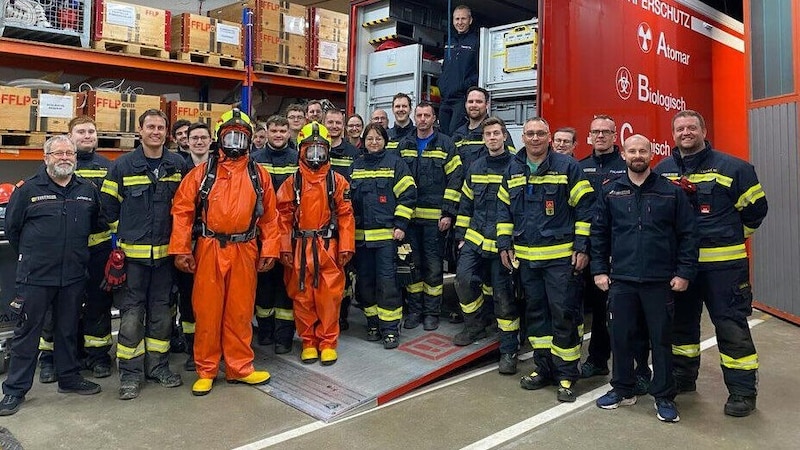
<point x="314" y="143"/>
<point x="234" y="133"/>
<point x="313" y="132"/>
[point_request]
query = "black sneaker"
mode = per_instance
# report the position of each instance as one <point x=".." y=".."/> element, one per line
<point x="740" y="405"/>
<point x="683" y="385"/>
<point x="412" y="321"/>
<point x="565" y="392"/>
<point x="455" y="317"/>
<point x="282" y="349"/>
<point x="430" y="323"/>
<point x="129" y="389"/>
<point x="642" y="386"/>
<point x="47" y="374"/>
<point x="534" y="381"/>
<point x="507" y="364"/>
<point x="166" y="378"/>
<point x="265" y="339"/>
<point x="10" y="404"/>
<point x="390" y="341"/>
<point x="80" y="387"/>
<point x="373" y="334"/>
<point x="468" y="336"/>
<point x="589" y="369"/>
<point x="101" y="370"/>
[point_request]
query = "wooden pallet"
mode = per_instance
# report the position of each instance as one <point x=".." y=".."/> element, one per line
<point x="116" y="141"/>
<point x="22" y="139"/>
<point x="280" y="68"/>
<point x="329" y="75"/>
<point x="130" y="48"/>
<point x="211" y="59"/>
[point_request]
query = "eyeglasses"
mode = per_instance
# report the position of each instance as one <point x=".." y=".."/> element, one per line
<point x="62" y="153"/>
<point x="532" y="134"/>
<point x="562" y="141"/>
<point x="199" y="138"/>
<point x="602" y="132"/>
<point x="354" y="125"/>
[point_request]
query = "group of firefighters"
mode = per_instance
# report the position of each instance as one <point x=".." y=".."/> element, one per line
<point x="266" y="218"/>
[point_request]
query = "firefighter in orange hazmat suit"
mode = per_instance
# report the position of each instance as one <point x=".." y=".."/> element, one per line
<point x="227" y="203"/>
<point x="317" y="240"/>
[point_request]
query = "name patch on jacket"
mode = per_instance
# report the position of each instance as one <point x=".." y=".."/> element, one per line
<point x="84" y="198"/>
<point x="620" y="193"/>
<point x="590" y="169"/>
<point x="40" y="198"/>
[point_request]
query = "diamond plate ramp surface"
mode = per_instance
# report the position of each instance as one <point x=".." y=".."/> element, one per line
<point x="366" y="375"/>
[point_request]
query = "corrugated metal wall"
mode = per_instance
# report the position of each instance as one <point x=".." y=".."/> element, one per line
<point x="776" y="245"/>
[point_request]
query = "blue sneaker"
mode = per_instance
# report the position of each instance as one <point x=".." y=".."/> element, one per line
<point x="666" y="410"/>
<point x="612" y="400"/>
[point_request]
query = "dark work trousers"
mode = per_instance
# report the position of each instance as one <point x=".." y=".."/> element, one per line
<point x="378" y="292"/>
<point x="425" y="291"/>
<point x="185" y="282"/>
<point x="485" y="293"/>
<point x="728" y="299"/>
<point x="452" y="114"/>
<point x="66" y="305"/>
<point x="634" y="307"/>
<point x="145" y="319"/>
<point x="274" y="311"/>
<point x="600" y="343"/>
<point x="97" y="339"/>
<point x="552" y="313"/>
<point x="349" y="286"/>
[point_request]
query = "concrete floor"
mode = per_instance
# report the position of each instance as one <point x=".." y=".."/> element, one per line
<point x="476" y="408"/>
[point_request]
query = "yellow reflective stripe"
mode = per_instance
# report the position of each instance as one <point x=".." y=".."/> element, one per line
<point x="341" y="162"/>
<point x="415" y="288"/>
<point x="136" y="180"/>
<point x="263" y="313"/>
<point x="487" y="290"/>
<point x="486" y="179"/>
<point x="111" y="188"/>
<point x="505" y="229"/>
<point x="452" y="165"/>
<point x="567" y="354"/>
<point x="371" y="311"/>
<point x="392" y="145"/>
<point x="156" y="345"/>
<point x="436" y="154"/>
<point x="432" y="290"/>
<point x="403" y="185"/>
<point x="503" y="196"/>
<point x="363" y="174"/>
<point x="544" y="253"/>
<point x="408" y="153"/>
<point x="144" y="251"/>
<point x="379" y="234"/>
<point x="474" y="306"/>
<point x="176" y="177"/>
<point x="465" y="189"/>
<point x="581" y="331"/>
<point x="750" y="196"/>
<point x="390" y="315"/>
<point x="427" y="213"/>
<point x="548" y="179"/>
<point x="580" y="189"/>
<point x="403" y="211"/>
<point x="489" y="245"/>
<point x="113" y="226"/>
<point x="464" y="142"/>
<point x="748" y="231"/>
<point x="687" y="351"/>
<point x="91" y="173"/>
<point x="188" y="327"/>
<point x="516" y="181"/>
<point x="717" y="254"/>
<point x="452" y="195"/>
<point x="749" y="362"/>
<point x="716" y="177"/>
<point x="124" y="352"/>
<point x="508" y="325"/>
<point x="45" y="345"/>
<point x="540" y="342"/>
<point x="284" y="314"/>
<point x="583" y="228"/>
<point x="97" y="341"/>
<point x="279" y="170"/>
<point x="463" y="221"/>
<point x="99" y="238"/>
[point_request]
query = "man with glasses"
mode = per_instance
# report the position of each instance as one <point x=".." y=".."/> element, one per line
<point x="314" y="111"/>
<point x="543" y="225"/>
<point x="564" y="141"/>
<point x="355" y="127"/>
<point x="380" y="116"/>
<point x="296" y="115"/>
<point x="63" y="210"/>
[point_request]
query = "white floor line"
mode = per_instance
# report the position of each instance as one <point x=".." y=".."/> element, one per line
<point x="561" y="410"/>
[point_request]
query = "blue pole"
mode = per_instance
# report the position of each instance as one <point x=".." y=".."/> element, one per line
<point x="247" y="86"/>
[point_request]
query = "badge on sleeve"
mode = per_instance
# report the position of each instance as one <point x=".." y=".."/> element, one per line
<point x="705" y="208"/>
<point x="549" y="207"/>
<point x="382" y="199"/>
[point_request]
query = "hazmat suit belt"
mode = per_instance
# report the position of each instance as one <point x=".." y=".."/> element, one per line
<point x="324" y="233"/>
<point x="235" y="238"/>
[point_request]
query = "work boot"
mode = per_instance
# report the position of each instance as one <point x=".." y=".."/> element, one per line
<point x="202" y="386"/>
<point x="412" y="321"/>
<point x="430" y="323"/>
<point x="10" y="404"/>
<point x="390" y="341"/>
<point x="684" y="385"/>
<point x="565" y="393"/>
<point x="344" y="325"/>
<point x="740" y="405"/>
<point x="264" y="339"/>
<point x="189" y="364"/>
<point x="455" y="317"/>
<point x="166" y="378"/>
<point x="373" y="334"/>
<point x="255" y="378"/>
<point x="80" y="386"/>
<point x="328" y="356"/>
<point x="468" y="335"/>
<point x="129" y="389"/>
<point x="589" y="369"/>
<point x="508" y="364"/>
<point x="534" y="381"/>
<point x="101" y="370"/>
<point x="309" y="355"/>
<point x="47" y="374"/>
<point x="282" y="348"/>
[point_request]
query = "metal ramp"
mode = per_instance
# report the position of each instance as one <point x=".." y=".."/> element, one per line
<point x="366" y="375"/>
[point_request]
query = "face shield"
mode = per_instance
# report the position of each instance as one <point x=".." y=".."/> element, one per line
<point x="316" y="155"/>
<point x="235" y="143"/>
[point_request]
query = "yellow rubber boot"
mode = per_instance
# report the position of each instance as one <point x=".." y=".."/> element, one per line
<point x="328" y="356"/>
<point x="202" y="386"/>
<point x="255" y="378"/>
<point x="309" y="355"/>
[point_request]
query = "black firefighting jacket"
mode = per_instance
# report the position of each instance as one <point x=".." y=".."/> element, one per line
<point x="470" y="145"/>
<point x="94" y="168"/>
<point x="599" y="168"/>
<point x="342" y="157"/>
<point x="279" y="163"/>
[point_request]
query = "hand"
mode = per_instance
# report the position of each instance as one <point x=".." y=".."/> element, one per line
<point x="460" y="244"/>
<point x="602" y="282"/>
<point x="579" y="261"/>
<point x="186" y="263"/>
<point x="679" y="284"/>
<point x="507" y="258"/>
<point x="265" y="264"/>
<point x="287" y="259"/>
<point x="398" y="234"/>
<point x="444" y="223"/>
<point x="344" y="258"/>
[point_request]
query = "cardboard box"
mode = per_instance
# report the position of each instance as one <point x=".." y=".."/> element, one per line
<point x="328" y="55"/>
<point x="207" y="113"/>
<point x="118" y="113"/>
<point x="276" y="47"/>
<point x="124" y="22"/>
<point x="195" y="33"/>
<point x="329" y="25"/>
<point x="29" y="110"/>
